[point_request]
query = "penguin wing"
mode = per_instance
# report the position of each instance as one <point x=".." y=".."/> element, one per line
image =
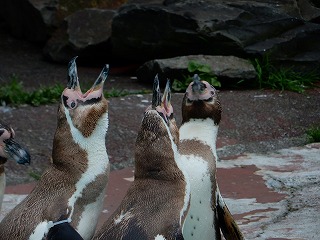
<point x="63" y="231"/>
<point x="226" y="221"/>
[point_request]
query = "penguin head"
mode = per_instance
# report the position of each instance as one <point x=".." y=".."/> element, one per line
<point x="201" y="101"/>
<point x="10" y="149"/>
<point x="83" y="110"/>
<point x="161" y="107"/>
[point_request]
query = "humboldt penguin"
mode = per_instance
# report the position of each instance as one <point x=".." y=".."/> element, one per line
<point x="157" y="201"/>
<point x="9" y="150"/>
<point x="75" y="183"/>
<point x="201" y="114"/>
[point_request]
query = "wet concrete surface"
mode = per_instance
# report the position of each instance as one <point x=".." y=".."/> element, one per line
<point x="273" y="195"/>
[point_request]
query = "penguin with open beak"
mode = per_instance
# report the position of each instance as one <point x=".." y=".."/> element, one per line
<point x="208" y="213"/>
<point x="72" y="189"/>
<point x="157" y="201"/>
<point x="9" y="150"/>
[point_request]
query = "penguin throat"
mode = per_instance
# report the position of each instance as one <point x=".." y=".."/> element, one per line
<point x="203" y="130"/>
<point x="97" y="157"/>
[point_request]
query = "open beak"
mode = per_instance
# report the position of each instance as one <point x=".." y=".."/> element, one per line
<point x="16" y="152"/>
<point x="73" y="90"/>
<point x="162" y="105"/>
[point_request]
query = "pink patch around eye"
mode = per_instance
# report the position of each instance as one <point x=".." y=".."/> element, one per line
<point x="6" y="135"/>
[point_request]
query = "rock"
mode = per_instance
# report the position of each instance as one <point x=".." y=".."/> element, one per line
<point x="86" y="33"/>
<point x="224" y="67"/>
<point x="308" y="9"/>
<point x="142" y="32"/>
<point x="31" y="19"/>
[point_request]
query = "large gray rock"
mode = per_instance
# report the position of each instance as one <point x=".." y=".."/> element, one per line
<point x="29" y="19"/>
<point x="85" y="33"/>
<point x="226" y="68"/>
<point x="141" y="32"/>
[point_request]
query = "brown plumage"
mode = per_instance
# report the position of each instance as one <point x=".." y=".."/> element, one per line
<point x="74" y="185"/>
<point x="156" y="203"/>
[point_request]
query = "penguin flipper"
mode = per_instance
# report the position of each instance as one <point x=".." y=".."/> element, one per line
<point x="63" y="231"/>
<point x="228" y="225"/>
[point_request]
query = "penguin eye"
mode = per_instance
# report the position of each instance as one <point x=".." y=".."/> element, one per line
<point x="73" y="105"/>
<point x="189" y="101"/>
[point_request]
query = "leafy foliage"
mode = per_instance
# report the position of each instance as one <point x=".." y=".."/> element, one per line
<point x="314" y="134"/>
<point x="204" y="71"/>
<point x="283" y="78"/>
<point x="13" y="93"/>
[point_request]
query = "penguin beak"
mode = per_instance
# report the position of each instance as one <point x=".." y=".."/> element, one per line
<point x="166" y="100"/>
<point x="156" y="93"/>
<point x="164" y="108"/>
<point x="73" y="80"/>
<point x="16" y="152"/>
<point x="161" y="105"/>
<point x="73" y="94"/>
<point x="198" y="87"/>
<point x="199" y="90"/>
<point x="97" y="87"/>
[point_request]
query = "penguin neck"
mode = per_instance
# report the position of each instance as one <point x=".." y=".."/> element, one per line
<point x="75" y="153"/>
<point x="203" y="130"/>
<point x="84" y="159"/>
<point x="160" y="161"/>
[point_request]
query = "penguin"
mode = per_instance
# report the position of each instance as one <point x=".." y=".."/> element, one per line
<point x="208" y="213"/>
<point x="9" y="150"/>
<point x="156" y="203"/>
<point x="74" y="184"/>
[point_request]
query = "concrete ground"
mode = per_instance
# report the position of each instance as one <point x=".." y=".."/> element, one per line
<point x="272" y="196"/>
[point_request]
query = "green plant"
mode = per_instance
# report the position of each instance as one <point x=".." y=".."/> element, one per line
<point x="46" y="95"/>
<point x="116" y="93"/>
<point x="204" y="71"/>
<point x="13" y="93"/>
<point x="314" y="134"/>
<point x="283" y="78"/>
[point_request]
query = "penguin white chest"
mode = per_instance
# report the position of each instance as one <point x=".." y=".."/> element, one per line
<point x="199" y="223"/>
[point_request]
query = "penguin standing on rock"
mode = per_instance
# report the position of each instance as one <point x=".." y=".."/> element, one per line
<point x="9" y="150"/>
<point x="201" y="114"/>
<point x="158" y="199"/>
<point x="72" y="189"/>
